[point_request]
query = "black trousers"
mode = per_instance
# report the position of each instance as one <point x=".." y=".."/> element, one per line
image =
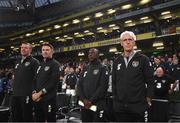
<point x="45" y="111"/>
<point x="21" y="109"/>
<point x="159" y="111"/>
<point x="1" y="97"/>
<point x="91" y="116"/>
<point x="109" y="109"/>
<point x="129" y="116"/>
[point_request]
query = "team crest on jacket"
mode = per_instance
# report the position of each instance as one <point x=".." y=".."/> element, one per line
<point x="27" y="64"/>
<point x="95" y="72"/>
<point x="46" y="68"/>
<point x="135" y="63"/>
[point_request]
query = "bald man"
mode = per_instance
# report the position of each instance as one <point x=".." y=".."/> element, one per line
<point x="92" y="87"/>
<point x="159" y="111"/>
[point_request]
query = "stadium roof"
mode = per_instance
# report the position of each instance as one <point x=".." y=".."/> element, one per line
<point x="22" y="4"/>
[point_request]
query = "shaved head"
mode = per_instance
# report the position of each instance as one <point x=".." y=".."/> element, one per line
<point x="159" y="72"/>
<point x="93" y="54"/>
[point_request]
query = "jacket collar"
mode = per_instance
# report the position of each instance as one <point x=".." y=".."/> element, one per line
<point x="94" y="62"/>
<point x="47" y="59"/>
<point x="25" y="58"/>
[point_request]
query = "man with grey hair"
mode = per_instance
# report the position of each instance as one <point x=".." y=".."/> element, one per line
<point x="131" y="82"/>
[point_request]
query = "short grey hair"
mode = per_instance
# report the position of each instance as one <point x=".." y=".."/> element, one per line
<point x="128" y="32"/>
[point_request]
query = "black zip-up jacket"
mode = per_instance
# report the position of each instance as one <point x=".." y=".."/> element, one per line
<point x="175" y="71"/>
<point x="47" y="78"/>
<point x="24" y="74"/>
<point x="93" y="83"/>
<point x="162" y="86"/>
<point x="71" y="80"/>
<point x="129" y="83"/>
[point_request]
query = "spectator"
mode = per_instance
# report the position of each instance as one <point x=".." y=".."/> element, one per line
<point x="159" y="111"/>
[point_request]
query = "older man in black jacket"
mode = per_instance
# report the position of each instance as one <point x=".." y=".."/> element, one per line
<point x="131" y="82"/>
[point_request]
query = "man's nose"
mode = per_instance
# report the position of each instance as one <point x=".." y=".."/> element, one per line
<point x="128" y="42"/>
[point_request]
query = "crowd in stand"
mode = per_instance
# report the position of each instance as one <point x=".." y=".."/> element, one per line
<point x="6" y="80"/>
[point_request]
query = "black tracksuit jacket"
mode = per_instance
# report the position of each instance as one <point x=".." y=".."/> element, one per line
<point x="71" y="80"/>
<point x="162" y="86"/>
<point x="93" y="84"/>
<point x="47" y="78"/>
<point x="175" y="71"/>
<point x="24" y="74"/>
<point x="129" y="83"/>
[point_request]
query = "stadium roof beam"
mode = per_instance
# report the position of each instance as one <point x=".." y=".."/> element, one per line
<point x="10" y="3"/>
<point x="7" y="4"/>
<point x="49" y="2"/>
<point x="29" y="6"/>
<point x="24" y="3"/>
